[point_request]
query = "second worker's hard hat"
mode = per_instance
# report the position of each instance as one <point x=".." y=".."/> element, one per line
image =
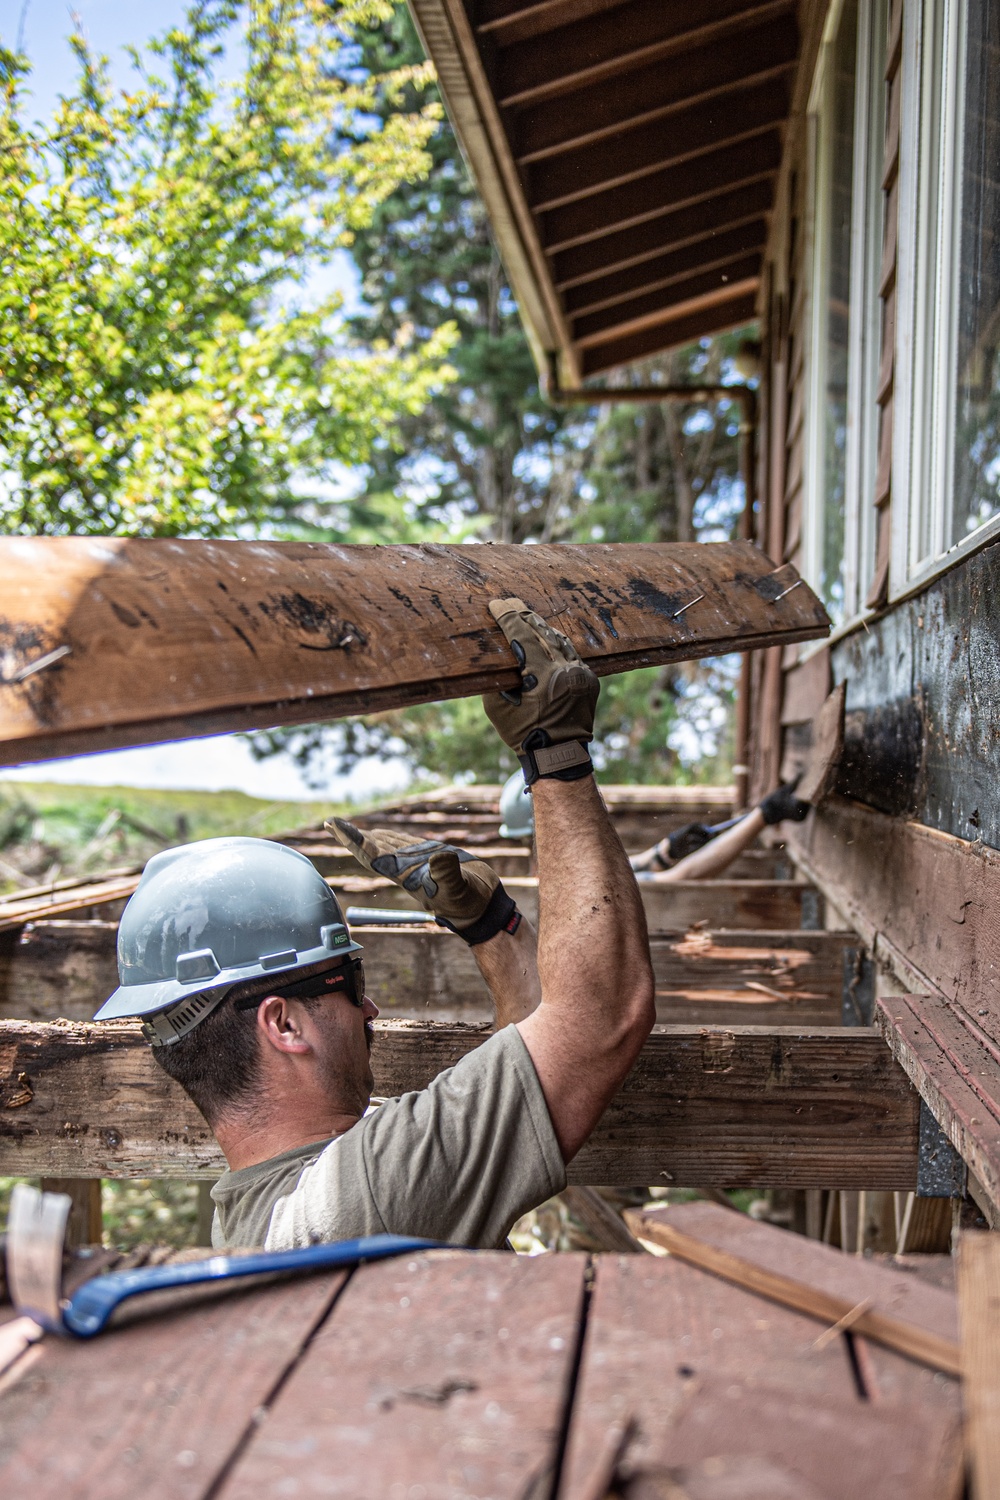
<point x="208" y="916"/>
<point x="516" y="811"/>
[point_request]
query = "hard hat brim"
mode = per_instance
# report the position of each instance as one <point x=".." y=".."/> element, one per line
<point x="140" y="1000"/>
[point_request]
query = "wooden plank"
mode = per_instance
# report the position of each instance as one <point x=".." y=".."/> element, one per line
<point x="670" y="906"/>
<point x="674" y="187"/>
<point x="648" y="308"/>
<point x="904" y="1314"/>
<point x="951" y="1061"/>
<point x="979" y="1296"/>
<point x="650" y="92"/>
<point x="85" y="1224"/>
<point x="664" y="270"/>
<point x="702" y="1107"/>
<point x="585" y="52"/>
<point x="668" y="231"/>
<point x="443" y="1374"/>
<point x="167" y="639"/>
<point x="689" y="1386"/>
<point x="702" y="977"/>
<point x="157" y="1408"/>
<point x="714" y="317"/>
<point x="74" y="896"/>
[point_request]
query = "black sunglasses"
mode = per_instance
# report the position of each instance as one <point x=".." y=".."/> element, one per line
<point x="349" y="977"/>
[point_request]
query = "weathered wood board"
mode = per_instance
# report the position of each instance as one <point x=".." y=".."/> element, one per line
<point x="743" y="1398"/>
<point x="121" y="1416"/>
<point x="449" y="1373"/>
<point x="925" y="904"/>
<point x="979" y="1293"/>
<point x="702" y="1107"/>
<point x="129" y="641"/>
<point x="66" y="969"/>
<point x="670" y="906"/>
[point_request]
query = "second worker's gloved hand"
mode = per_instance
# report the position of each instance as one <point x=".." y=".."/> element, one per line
<point x="549" y="721"/>
<point x="782" y="804"/>
<point x="687" y="840"/>
<point x="460" y="891"/>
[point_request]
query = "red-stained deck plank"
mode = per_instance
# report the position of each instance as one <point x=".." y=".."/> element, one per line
<point x="440" y="1376"/>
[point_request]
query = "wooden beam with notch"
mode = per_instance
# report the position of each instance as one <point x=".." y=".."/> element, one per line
<point x="704" y="1107"/>
<point x="136" y="640"/>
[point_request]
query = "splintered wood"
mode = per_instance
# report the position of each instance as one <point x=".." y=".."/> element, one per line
<point x="122" y="642"/>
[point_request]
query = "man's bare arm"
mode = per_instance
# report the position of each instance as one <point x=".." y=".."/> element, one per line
<point x="509" y="964"/>
<point x="597" y="994"/>
<point x="716" y="857"/>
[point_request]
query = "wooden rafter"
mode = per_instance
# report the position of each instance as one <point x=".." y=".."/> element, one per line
<point x="603" y="134"/>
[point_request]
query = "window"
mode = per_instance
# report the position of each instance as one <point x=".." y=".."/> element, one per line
<point x="846" y="123"/>
<point x="975" y="495"/>
<point x="947" y="446"/>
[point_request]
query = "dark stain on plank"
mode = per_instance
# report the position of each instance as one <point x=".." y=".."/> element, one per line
<point x="314" y="617"/>
<point x="646" y="595"/>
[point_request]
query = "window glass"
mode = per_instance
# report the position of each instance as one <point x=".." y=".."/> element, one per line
<point x="976" y="489"/>
<point x="838" y="149"/>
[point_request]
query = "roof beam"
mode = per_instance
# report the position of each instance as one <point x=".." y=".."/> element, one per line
<point x="628" y="247"/>
<point x="703" y="254"/>
<point x="506" y="24"/>
<point x="673" y="188"/>
<point x="635" y="153"/>
<point x="681" y="327"/>
<point x="649" y="93"/>
<point x="704" y="289"/>
<point x="586" y="52"/>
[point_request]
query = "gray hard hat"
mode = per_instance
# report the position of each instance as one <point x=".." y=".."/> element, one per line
<point x="516" y="809"/>
<point x="208" y="916"/>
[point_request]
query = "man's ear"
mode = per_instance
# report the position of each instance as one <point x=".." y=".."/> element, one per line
<point x="280" y="1022"/>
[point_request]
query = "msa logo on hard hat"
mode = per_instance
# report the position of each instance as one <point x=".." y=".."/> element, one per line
<point x="215" y="914"/>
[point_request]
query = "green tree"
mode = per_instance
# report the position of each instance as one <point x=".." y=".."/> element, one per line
<point x="160" y="373"/>
<point x="487" y="457"/>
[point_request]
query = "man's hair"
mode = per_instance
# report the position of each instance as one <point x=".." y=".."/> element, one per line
<point x="218" y="1063"/>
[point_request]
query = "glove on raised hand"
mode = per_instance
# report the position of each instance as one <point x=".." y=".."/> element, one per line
<point x="549" y="720"/>
<point x="782" y="804"/>
<point x="461" y="892"/>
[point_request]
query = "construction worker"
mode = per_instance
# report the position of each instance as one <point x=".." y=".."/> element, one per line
<point x="694" y="852"/>
<point x="251" y="991"/>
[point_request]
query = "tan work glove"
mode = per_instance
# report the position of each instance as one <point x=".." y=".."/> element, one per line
<point x="549" y="720"/>
<point x="460" y="891"/>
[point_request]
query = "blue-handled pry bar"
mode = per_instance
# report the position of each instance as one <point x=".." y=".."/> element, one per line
<point x="36" y="1228"/>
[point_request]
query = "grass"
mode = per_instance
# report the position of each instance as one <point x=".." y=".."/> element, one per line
<point x="48" y="829"/>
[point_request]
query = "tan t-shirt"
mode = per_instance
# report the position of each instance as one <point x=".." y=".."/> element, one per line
<point x="458" y="1161"/>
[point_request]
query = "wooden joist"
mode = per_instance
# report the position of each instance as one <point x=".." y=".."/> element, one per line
<point x="702" y="1107"/>
<point x="66" y="969"/>
<point x="129" y="641"/>
<point x="927" y="914"/>
<point x="670" y="906"/>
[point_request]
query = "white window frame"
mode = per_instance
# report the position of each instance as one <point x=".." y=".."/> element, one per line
<point x="930" y="187"/>
<point x="867" y="218"/>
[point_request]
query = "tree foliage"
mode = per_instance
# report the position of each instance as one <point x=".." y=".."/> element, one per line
<point x="161" y="373"/>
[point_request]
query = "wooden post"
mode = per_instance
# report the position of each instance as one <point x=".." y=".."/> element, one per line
<point x="979" y="1310"/>
<point x="85" y="1225"/>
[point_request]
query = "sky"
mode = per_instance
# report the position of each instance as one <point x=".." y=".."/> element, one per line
<point x="222" y="762"/>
